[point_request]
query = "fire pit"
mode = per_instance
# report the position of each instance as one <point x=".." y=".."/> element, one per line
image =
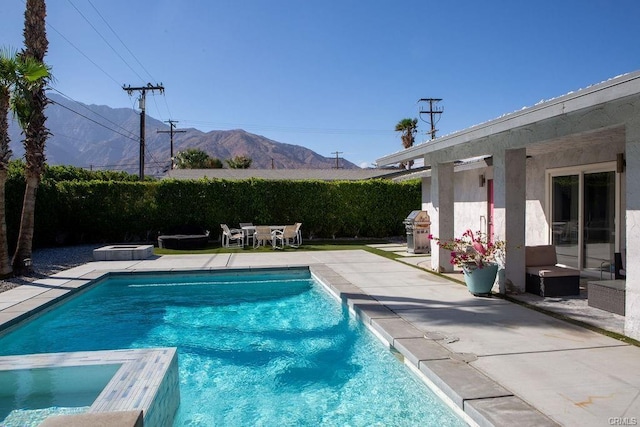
<point x="122" y="252"/>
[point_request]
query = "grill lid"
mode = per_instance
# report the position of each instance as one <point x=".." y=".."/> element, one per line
<point x="420" y="217"/>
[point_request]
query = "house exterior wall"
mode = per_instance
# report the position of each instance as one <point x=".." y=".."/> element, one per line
<point x="632" y="300"/>
<point x="537" y="220"/>
<point x="586" y="128"/>
<point x="470" y="199"/>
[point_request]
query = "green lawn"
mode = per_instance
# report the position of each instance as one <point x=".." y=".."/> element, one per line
<point x="313" y="245"/>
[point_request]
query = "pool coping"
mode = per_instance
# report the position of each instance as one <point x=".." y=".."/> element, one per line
<point x="478" y="399"/>
<point x="481" y="400"/>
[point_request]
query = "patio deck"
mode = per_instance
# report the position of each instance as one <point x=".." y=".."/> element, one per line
<point x="498" y="361"/>
<point x="574" y="307"/>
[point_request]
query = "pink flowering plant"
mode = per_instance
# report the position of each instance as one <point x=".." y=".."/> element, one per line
<point x="473" y="249"/>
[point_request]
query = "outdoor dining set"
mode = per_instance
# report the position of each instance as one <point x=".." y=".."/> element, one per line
<point x="276" y="236"/>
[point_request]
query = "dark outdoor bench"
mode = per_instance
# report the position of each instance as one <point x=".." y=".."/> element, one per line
<point x="547" y="279"/>
<point x="184" y="237"/>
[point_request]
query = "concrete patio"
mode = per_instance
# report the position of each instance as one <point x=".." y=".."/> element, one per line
<point x="501" y="363"/>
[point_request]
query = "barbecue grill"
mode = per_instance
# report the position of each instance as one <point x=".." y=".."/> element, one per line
<point x="418" y="225"/>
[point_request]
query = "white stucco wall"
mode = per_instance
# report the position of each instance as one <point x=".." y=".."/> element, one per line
<point x="632" y="302"/>
<point x="470" y="201"/>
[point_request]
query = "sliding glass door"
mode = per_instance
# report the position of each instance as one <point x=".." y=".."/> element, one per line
<point x="599" y="219"/>
<point x="583" y="217"/>
<point x="565" y="199"/>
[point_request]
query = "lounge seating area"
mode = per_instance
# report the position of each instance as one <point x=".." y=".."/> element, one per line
<point x="545" y="277"/>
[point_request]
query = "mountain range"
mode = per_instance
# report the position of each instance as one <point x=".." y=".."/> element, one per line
<point x="101" y="137"/>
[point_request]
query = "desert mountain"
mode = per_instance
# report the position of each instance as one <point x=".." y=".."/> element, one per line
<point x="101" y="137"/>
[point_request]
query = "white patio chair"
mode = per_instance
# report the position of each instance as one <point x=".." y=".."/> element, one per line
<point x="262" y="236"/>
<point x="231" y="235"/>
<point x="288" y="236"/>
<point x="299" y="233"/>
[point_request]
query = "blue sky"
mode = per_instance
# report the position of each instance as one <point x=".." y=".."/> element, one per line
<point x="332" y="75"/>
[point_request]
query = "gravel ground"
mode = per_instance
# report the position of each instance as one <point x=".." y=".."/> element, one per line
<point x="49" y="261"/>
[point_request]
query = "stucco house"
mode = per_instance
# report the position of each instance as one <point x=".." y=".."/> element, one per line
<point x="564" y="172"/>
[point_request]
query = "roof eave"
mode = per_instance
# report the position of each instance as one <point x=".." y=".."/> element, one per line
<point x="618" y="87"/>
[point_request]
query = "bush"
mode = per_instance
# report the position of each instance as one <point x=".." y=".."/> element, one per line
<point x="101" y="211"/>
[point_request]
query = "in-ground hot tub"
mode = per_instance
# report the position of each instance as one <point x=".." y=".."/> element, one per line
<point x="59" y="387"/>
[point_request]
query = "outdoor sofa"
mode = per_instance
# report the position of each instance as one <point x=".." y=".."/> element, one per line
<point x="545" y="277"/>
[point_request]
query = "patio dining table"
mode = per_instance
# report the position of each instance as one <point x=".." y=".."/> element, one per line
<point x="248" y="231"/>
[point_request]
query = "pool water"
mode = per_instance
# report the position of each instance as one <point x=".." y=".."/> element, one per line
<point x="258" y="349"/>
<point x="38" y="393"/>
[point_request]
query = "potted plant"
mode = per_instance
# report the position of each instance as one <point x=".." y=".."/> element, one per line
<point x="477" y="257"/>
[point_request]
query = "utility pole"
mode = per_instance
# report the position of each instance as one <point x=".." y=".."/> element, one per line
<point x="171" y="131"/>
<point x="143" y="95"/>
<point x="432" y="111"/>
<point x="337" y="153"/>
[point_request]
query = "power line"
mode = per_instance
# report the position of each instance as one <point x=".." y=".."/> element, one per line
<point x="90" y="119"/>
<point x="119" y="39"/>
<point x="337" y="153"/>
<point x="105" y="40"/>
<point x="157" y="108"/>
<point x="143" y="95"/>
<point x="433" y="110"/>
<point x="93" y="112"/>
<point x="171" y="131"/>
<point x="112" y="48"/>
<point x="83" y="54"/>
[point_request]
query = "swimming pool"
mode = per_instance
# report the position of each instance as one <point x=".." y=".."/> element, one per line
<point x="269" y="348"/>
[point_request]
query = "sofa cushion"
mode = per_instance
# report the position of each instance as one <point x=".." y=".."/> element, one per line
<point x="543" y="255"/>
<point x="552" y="271"/>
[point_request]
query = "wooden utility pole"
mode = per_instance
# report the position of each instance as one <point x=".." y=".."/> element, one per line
<point x="337" y="153"/>
<point x="432" y="111"/>
<point x="171" y="131"/>
<point x="143" y="94"/>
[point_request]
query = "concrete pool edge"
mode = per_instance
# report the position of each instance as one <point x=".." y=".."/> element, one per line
<point x="479" y="398"/>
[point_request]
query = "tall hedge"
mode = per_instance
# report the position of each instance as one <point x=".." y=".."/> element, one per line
<point x="70" y="212"/>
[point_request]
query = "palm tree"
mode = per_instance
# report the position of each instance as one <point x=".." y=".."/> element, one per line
<point x="15" y="72"/>
<point x="408" y="127"/>
<point x="33" y="101"/>
<point x="7" y="79"/>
